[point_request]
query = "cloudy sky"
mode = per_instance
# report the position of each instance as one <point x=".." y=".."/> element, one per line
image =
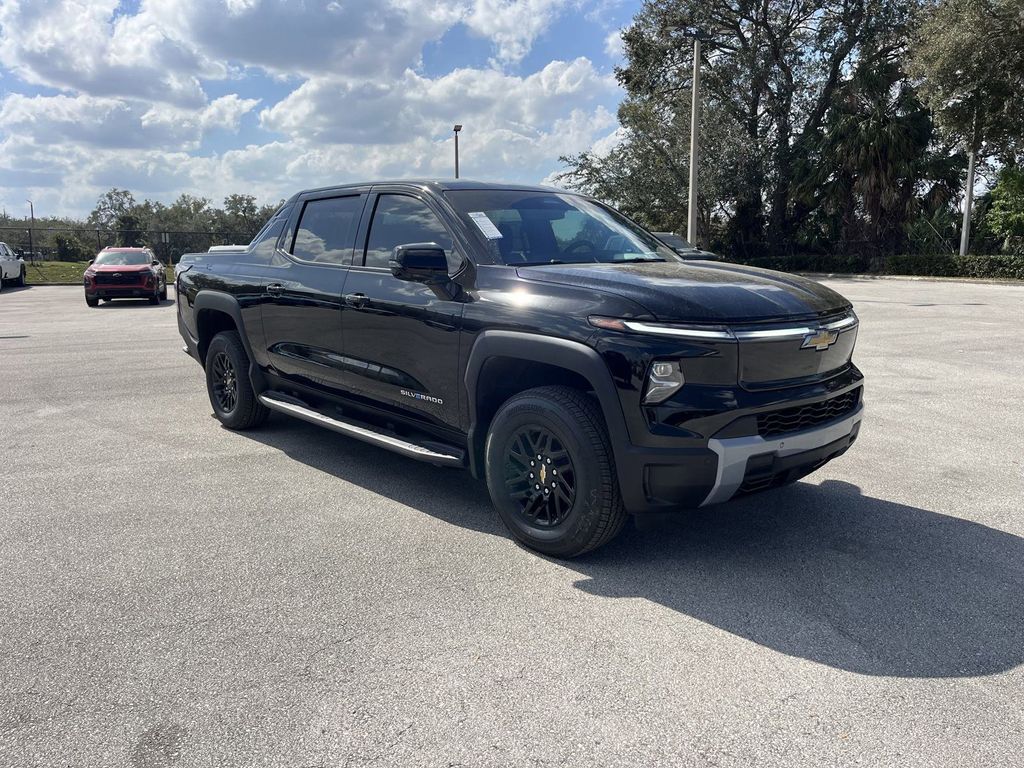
<point x="266" y="97"/>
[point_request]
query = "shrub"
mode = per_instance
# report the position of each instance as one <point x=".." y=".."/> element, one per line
<point x="998" y="265"/>
<point x="70" y="248"/>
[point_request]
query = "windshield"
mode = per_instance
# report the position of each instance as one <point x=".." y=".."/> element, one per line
<point x="122" y="258"/>
<point x="527" y="228"/>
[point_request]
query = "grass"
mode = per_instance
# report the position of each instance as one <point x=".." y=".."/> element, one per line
<point x="64" y="272"/>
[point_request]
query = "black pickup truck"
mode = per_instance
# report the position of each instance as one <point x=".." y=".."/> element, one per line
<point x="538" y="338"/>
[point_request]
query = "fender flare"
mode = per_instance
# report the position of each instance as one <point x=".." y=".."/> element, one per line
<point x="218" y="301"/>
<point x="557" y="352"/>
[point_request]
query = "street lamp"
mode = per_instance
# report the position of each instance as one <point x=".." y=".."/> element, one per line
<point x="32" y="213"/>
<point x="457" y="128"/>
<point x="691" y="222"/>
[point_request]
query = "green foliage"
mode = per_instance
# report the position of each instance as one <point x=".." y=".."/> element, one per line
<point x="992" y="266"/>
<point x="70" y="248"/>
<point x="969" y="58"/>
<point x="1004" y="216"/>
<point x="773" y="71"/>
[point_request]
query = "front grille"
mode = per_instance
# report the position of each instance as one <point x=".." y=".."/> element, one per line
<point x="120" y="278"/>
<point x="803" y="417"/>
<point x="753" y="482"/>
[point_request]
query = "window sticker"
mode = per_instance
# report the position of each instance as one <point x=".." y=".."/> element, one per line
<point x="485" y="225"/>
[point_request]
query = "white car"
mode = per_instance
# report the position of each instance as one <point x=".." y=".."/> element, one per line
<point x="12" y="267"/>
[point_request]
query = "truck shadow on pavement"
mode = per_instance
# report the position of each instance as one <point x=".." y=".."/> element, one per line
<point x="819" y="572"/>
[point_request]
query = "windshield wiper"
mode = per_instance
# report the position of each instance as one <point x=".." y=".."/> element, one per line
<point x="541" y="263"/>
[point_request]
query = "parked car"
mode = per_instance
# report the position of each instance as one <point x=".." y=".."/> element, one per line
<point x="684" y="247"/>
<point x="125" y="273"/>
<point x="537" y="337"/>
<point x="12" y="267"/>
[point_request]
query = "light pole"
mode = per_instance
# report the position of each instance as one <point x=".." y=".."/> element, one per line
<point x="691" y="206"/>
<point x="457" y="128"/>
<point x="691" y="223"/>
<point x="31" y="226"/>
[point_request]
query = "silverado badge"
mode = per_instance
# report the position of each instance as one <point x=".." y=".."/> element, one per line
<point x="820" y="340"/>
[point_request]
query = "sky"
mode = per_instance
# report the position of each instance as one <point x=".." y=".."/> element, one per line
<point x="267" y="97"/>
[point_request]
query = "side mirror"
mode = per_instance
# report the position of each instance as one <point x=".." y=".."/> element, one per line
<point x="154" y="263"/>
<point x="419" y="263"/>
<point x="91" y="260"/>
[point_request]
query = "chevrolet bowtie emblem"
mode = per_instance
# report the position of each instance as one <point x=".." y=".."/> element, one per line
<point x="543" y="474"/>
<point x="820" y="340"/>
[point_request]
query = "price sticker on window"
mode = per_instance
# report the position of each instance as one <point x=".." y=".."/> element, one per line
<point x="485" y="225"/>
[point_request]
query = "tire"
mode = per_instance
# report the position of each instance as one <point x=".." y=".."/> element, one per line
<point x="94" y="302"/>
<point x="565" y="517"/>
<point x="21" y="278"/>
<point x="155" y="298"/>
<point x="163" y="293"/>
<point x="234" y="402"/>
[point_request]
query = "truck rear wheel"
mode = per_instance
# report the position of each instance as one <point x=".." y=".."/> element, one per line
<point x="235" y="403"/>
<point x="551" y="474"/>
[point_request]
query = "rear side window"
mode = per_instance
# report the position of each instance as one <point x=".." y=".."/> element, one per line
<point x="327" y="230"/>
<point x="403" y="220"/>
<point x="262" y="249"/>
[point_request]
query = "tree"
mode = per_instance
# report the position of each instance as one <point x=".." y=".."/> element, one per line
<point x="1005" y="214"/>
<point x="773" y="70"/>
<point x="111" y="205"/>
<point x="872" y="168"/>
<point x="969" y="58"/>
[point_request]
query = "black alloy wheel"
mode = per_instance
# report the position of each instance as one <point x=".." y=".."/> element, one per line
<point x="540" y="477"/>
<point x="225" y="382"/>
<point x="235" y="404"/>
<point x="551" y="471"/>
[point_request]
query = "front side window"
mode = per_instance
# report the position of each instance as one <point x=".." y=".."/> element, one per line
<point x="404" y="220"/>
<point x="524" y="228"/>
<point x="327" y="230"/>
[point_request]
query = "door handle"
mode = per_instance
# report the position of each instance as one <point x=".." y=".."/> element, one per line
<point x="275" y="289"/>
<point x="357" y="300"/>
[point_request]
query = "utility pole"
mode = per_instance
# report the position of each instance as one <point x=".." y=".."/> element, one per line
<point x="457" y="128"/>
<point x="31" y="226"/>
<point x="965" y="232"/>
<point x="691" y="224"/>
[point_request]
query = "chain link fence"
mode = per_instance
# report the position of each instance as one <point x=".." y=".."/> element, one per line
<point x="76" y="244"/>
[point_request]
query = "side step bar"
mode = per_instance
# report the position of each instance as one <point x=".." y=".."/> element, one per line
<point x="383" y="440"/>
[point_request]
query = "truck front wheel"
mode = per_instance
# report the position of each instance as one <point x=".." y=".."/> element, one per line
<point x="235" y="403"/>
<point x="551" y="473"/>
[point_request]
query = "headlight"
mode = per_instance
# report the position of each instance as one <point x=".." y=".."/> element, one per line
<point x="664" y="379"/>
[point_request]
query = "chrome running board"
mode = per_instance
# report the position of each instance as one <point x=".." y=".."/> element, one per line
<point x="390" y="442"/>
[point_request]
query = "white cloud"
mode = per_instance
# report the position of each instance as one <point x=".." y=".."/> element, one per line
<point x="132" y="107"/>
<point x="613" y="45"/>
<point x="116" y="123"/>
<point x="513" y="25"/>
<point x="334" y="110"/>
<point x="81" y="46"/>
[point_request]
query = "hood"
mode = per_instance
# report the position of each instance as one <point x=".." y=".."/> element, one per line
<point x="705" y="292"/>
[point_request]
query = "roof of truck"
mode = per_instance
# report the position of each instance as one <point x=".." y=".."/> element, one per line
<point x="441" y="185"/>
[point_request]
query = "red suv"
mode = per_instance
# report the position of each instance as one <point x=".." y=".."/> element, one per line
<point x="125" y="273"/>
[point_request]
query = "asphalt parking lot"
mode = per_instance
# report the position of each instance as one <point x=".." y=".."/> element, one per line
<point x="177" y="594"/>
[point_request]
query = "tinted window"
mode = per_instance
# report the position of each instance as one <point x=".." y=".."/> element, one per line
<point x="122" y="258"/>
<point x="261" y="251"/>
<point x="552" y="228"/>
<point x="327" y="230"/>
<point x="402" y="220"/>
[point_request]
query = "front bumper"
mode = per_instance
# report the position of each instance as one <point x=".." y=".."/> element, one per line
<point x="754" y="463"/>
<point x="120" y="292"/>
<point x="662" y="479"/>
